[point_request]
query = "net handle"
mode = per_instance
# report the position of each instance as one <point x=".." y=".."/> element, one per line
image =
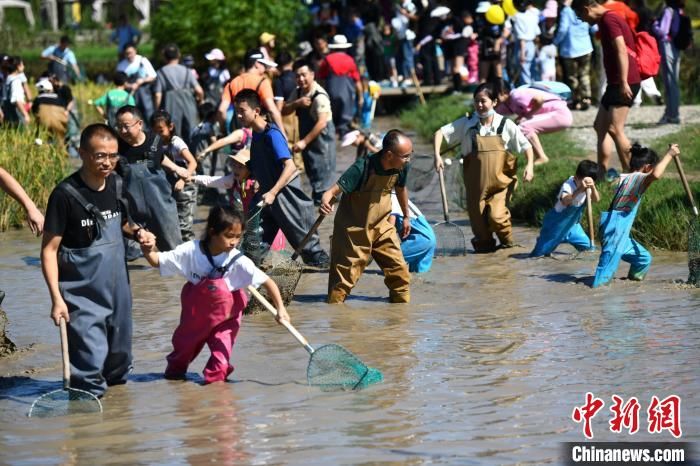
<point x="64" y="353"/>
<point x="313" y="229"/>
<point x="589" y="211"/>
<point x="300" y="338"/>
<point x="443" y="194"/>
<point x="686" y="186"/>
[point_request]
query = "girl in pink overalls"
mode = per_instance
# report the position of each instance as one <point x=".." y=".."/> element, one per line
<point x="213" y="298"/>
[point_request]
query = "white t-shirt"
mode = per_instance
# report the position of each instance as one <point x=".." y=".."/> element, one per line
<point x="396" y="207"/>
<point x="189" y="261"/>
<point x="569" y="187"/>
<point x="460" y="131"/>
<point x="17" y="94"/>
<point x="141" y="67"/>
<point x="175" y="148"/>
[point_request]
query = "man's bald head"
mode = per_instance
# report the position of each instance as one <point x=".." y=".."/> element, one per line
<point x="397" y="142"/>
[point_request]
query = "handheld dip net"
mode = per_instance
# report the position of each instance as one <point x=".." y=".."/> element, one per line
<point x="66" y="400"/>
<point x="331" y="367"/>
<point x="286" y="273"/>
<point x="693" y="231"/>
<point x="450" y="238"/>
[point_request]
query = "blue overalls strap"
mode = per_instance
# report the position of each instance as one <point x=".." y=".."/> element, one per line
<point x="221" y="270"/>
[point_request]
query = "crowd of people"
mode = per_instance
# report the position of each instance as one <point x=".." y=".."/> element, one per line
<point x="168" y="131"/>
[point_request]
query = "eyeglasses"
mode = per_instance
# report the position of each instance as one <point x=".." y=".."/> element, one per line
<point x="100" y="156"/>
<point x="126" y="126"/>
<point x="405" y="157"/>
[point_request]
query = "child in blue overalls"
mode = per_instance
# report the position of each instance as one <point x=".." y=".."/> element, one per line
<point x="561" y="223"/>
<point x="616" y="222"/>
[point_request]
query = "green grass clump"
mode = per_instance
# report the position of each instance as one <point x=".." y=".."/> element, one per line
<point x="38" y="168"/>
<point x="426" y="119"/>
<point x="688" y="138"/>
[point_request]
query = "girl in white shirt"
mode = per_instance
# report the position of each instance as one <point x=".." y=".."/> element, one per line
<point x="213" y="298"/>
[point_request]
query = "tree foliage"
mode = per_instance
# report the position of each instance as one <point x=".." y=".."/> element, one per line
<point x="234" y="26"/>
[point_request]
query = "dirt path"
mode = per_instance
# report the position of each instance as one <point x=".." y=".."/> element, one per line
<point x="641" y="124"/>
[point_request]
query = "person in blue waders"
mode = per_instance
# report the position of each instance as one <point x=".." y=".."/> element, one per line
<point x="418" y="247"/>
<point x="616" y="223"/>
<point x="84" y="265"/>
<point x="561" y="223"/>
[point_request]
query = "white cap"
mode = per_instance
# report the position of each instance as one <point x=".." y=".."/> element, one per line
<point x="215" y="54"/>
<point x="260" y="58"/>
<point x="483" y="7"/>
<point x="349" y="138"/>
<point x="44" y="85"/>
<point x="440" y="12"/>
<point x="339" y="42"/>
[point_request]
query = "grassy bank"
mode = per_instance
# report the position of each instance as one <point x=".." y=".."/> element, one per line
<point x="38" y="168"/>
<point x="662" y="221"/>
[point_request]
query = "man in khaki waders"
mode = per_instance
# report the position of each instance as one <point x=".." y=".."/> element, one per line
<point x="362" y="228"/>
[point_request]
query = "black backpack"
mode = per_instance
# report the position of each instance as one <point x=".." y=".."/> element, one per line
<point x="684" y="37"/>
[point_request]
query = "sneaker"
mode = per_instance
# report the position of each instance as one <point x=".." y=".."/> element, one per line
<point x="322" y="261"/>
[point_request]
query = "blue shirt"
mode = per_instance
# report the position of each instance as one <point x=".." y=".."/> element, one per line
<point x="66" y="54"/>
<point x="276" y="140"/>
<point x="124" y="35"/>
<point x="573" y="35"/>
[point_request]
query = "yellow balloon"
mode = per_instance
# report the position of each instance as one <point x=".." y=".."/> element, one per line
<point x="509" y="8"/>
<point x="495" y="15"/>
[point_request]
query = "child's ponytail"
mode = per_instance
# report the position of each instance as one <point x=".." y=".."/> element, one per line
<point x="642" y="155"/>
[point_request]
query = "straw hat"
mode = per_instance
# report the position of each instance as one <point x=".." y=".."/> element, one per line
<point x="242" y="156"/>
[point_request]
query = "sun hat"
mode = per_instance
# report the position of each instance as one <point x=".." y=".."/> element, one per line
<point x="215" y="54"/>
<point x="483" y="7"/>
<point x="266" y="37"/>
<point x="339" y="42"/>
<point x="242" y="156"/>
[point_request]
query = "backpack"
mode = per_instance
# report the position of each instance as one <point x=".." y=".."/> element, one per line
<point x="683" y="38"/>
<point x="646" y="54"/>
<point x="560" y="90"/>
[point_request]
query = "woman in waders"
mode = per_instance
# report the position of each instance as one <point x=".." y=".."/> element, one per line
<point x="213" y="298"/>
<point x="487" y="142"/>
<point x="362" y="228"/>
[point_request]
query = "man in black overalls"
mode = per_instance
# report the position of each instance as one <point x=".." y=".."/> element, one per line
<point x="82" y="257"/>
<point x="142" y="156"/>
<point x="316" y="130"/>
<point x="289" y="209"/>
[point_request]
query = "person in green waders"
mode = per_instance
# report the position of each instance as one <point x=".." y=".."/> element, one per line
<point x="362" y="228"/>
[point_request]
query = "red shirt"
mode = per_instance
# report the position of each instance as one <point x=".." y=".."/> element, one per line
<point x="340" y="64"/>
<point x="626" y="12"/>
<point x="612" y="26"/>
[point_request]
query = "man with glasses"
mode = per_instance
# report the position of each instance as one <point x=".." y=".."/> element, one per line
<point x="82" y="257"/>
<point x="362" y="228"/>
<point x="141" y="165"/>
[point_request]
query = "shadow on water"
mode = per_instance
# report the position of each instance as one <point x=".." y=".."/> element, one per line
<point x="568" y="278"/>
<point x="32" y="261"/>
<point x="17" y="387"/>
<point x="321" y="298"/>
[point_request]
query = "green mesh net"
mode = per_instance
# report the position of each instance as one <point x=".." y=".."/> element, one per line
<point x="332" y="367"/>
<point x="449" y="240"/>
<point x="252" y="244"/>
<point x="64" y="402"/>
<point x="286" y="273"/>
<point x="694" y="252"/>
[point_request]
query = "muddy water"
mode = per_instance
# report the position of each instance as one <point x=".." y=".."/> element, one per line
<point x="483" y="367"/>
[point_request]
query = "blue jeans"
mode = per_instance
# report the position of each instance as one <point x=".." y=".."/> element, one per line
<point x="526" y="67"/>
<point x="670" y="69"/>
<point x="406" y="64"/>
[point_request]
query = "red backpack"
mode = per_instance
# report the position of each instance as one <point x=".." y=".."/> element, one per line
<point x="647" y="54"/>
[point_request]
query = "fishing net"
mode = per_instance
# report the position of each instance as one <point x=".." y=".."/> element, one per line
<point x="694" y="252"/>
<point x="285" y="272"/>
<point x="64" y="402"/>
<point x="449" y="240"/>
<point x="332" y="367"/>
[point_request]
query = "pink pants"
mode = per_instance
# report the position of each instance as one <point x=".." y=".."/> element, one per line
<point x="553" y="116"/>
<point x="211" y="314"/>
<point x="473" y="62"/>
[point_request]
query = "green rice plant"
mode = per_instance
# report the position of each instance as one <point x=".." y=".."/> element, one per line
<point x="38" y="168"/>
<point x="83" y="93"/>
